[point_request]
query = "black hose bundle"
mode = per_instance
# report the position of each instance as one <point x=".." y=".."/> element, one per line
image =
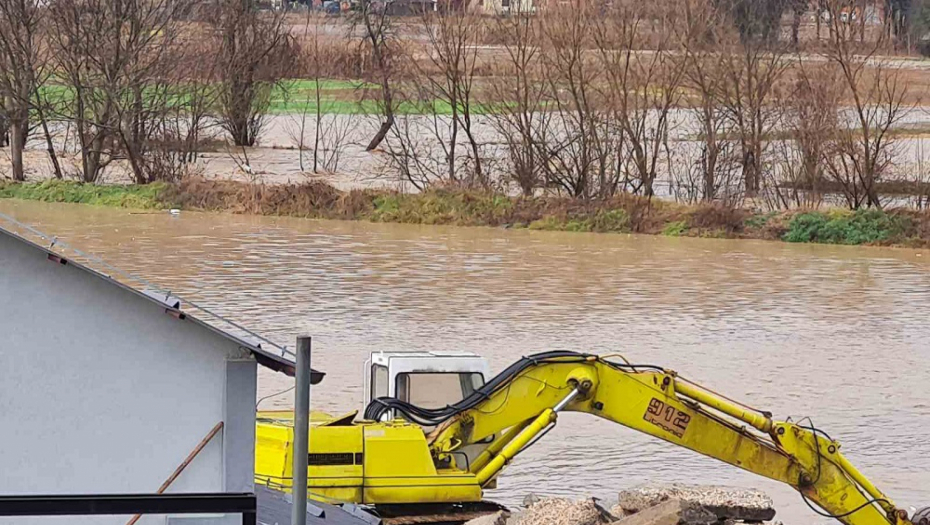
<point x="429" y="417"/>
<point x="434" y="416"/>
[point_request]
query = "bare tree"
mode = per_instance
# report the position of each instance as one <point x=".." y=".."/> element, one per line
<point x="123" y="65"/>
<point x="254" y="53"/>
<point x="643" y="88"/>
<point x="811" y="127"/>
<point x="379" y="40"/>
<point x="711" y="175"/>
<point x="751" y="71"/>
<point x="4" y="124"/>
<point x="43" y="109"/>
<point x="314" y="67"/>
<point x="860" y="156"/>
<point x="446" y="80"/>
<point x="110" y="55"/>
<point x="576" y="143"/>
<point x="519" y="98"/>
<point x="798" y="8"/>
<point x="20" y="64"/>
<point x="78" y="34"/>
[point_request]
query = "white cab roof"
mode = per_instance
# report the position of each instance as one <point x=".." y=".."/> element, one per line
<point x="438" y="360"/>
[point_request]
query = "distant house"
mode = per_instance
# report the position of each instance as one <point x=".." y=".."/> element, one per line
<point x="106" y="389"/>
<point x="498" y="7"/>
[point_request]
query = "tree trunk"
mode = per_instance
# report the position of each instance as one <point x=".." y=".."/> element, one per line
<point x="382" y="132"/>
<point x="375" y="35"/>
<point x="319" y="124"/>
<point x="93" y="157"/>
<point x="388" y="112"/>
<point x="17" y="139"/>
<point x="710" y="172"/>
<point x="4" y="127"/>
<point x="750" y="174"/>
<point x="796" y="27"/>
<point x="49" y="144"/>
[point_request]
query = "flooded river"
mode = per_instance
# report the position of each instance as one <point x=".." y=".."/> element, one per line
<point x="836" y="333"/>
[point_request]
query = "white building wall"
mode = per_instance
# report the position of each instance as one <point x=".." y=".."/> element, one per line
<point x="102" y="392"/>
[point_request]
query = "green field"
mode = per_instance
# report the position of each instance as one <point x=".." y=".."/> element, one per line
<point x="337" y="97"/>
<point x="348" y="97"/>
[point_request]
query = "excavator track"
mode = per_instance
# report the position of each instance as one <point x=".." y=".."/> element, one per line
<point x="436" y="513"/>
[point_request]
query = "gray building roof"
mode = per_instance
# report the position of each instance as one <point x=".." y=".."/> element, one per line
<point x="266" y="353"/>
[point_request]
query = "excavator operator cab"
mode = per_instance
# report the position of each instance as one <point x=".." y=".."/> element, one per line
<point x="426" y="379"/>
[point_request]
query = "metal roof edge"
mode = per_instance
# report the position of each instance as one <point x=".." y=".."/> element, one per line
<point x="271" y="360"/>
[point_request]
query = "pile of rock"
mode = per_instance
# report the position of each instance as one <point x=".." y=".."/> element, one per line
<point x="646" y="505"/>
<point x="693" y="504"/>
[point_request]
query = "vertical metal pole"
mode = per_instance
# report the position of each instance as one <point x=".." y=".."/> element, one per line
<point x="301" y="432"/>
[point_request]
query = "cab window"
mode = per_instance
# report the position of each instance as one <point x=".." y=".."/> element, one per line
<point x="379" y="381"/>
<point x="436" y="389"/>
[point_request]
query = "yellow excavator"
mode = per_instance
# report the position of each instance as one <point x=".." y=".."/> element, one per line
<point x="435" y="432"/>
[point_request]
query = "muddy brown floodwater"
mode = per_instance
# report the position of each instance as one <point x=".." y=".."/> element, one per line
<point x="836" y="333"/>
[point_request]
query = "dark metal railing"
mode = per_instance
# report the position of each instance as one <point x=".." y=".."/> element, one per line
<point x="104" y="504"/>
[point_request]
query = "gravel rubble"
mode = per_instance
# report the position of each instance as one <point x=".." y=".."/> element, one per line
<point x="560" y="511"/>
<point x="645" y="496"/>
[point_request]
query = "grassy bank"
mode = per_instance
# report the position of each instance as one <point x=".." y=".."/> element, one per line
<point x="621" y="214"/>
<point x="129" y="196"/>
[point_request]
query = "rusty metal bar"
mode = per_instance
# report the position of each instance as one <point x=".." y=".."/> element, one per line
<point x="187" y="461"/>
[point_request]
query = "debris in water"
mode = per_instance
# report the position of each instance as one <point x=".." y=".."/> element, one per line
<point x="174" y="211"/>
<point x="531" y="499"/>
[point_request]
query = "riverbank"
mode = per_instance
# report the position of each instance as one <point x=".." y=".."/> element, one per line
<point x="621" y="214"/>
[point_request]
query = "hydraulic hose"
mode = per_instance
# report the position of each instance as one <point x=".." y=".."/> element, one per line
<point x="436" y="416"/>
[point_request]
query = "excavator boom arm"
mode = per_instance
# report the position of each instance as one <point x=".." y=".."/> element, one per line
<point x="521" y="403"/>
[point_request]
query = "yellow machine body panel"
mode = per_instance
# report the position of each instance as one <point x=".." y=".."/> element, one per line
<point x="360" y="463"/>
<point x="334" y="463"/>
<point x="399" y="469"/>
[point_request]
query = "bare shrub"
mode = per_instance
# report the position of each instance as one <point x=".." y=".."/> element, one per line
<point x="324" y="136"/>
<point x="811" y="126"/>
<point x="189" y="123"/>
<point x="576" y="141"/>
<point x="689" y="164"/>
<point x="751" y="72"/>
<point x="641" y="90"/>
<point x="445" y="82"/>
<point x="518" y="99"/>
<point x="919" y="178"/>
<point x="861" y="156"/>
